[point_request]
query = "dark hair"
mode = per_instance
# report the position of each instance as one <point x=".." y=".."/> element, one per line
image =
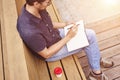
<point x="30" y="2"/>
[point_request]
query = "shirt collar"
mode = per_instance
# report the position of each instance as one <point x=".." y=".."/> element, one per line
<point x="30" y="16"/>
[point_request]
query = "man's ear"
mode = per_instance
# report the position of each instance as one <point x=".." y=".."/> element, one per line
<point x="36" y="3"/>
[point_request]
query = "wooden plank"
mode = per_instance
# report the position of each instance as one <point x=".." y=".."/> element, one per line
<point x="86" y="70"/>
<point x="79" y="68"/>
<point x="56" y="12"/>
<point x="105" y="24"/>
<point x="1" y="68"/>
<point x="19" y="5"/>
<point x="108" y="34"/>
<point x="113" y="73"/>
<point x="70" y="68"/>
<point x="52" y="66"/>
<point x="111" y="51"/>
<point x="51" y="11"/>
<point x="42" y="70"/>
<point x="31" y="65"/>
<point x="83" y="61"/>
<point x="1" y="61"/>
<point x="112" y="41"/>
<point x="14" y="60"/>
<point x="115" y="59"/>
<point x="0" y="8"/>
<point x="81" y="54"/>
<point x="1" y="58"/>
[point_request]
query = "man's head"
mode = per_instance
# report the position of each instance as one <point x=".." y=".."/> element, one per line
<point x="41" y="4"/>
<point x="31" y="2"/>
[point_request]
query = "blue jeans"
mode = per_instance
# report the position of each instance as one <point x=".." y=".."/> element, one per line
<point x="92" y="51"/>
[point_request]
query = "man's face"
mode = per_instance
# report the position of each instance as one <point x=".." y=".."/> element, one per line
<point x="44" y="4"/>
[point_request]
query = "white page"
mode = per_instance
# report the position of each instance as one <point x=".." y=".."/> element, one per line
<point x="80" y="39"/>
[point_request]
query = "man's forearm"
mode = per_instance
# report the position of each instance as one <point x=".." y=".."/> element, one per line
<point x="57" y="46"/>
<point x="59" y="24"/>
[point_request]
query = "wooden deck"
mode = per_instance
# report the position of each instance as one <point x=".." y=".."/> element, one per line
<point x="108" y="35"/>
<point x="17" y="62"/>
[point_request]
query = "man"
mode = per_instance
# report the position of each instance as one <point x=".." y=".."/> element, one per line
<point x="41" y="35"/>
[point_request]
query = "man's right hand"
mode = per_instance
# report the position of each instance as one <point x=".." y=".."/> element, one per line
<point x="73" y="31"/>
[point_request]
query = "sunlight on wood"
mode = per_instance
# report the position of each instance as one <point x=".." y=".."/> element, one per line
<point x="111" y="2"/>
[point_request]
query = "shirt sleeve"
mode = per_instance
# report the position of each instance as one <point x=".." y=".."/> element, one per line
<point x="35" y="42"/>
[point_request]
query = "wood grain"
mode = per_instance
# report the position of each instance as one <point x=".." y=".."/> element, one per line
<point x="52" y="66"/>
<point x="1" y="61"/>
<point x="14" y="59"/>
<point x="70" y="68"/>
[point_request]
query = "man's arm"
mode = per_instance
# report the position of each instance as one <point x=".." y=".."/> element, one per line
<point x="62" y="24"/>
<point x="59" y="24"/>
<point x="48" y="52"/>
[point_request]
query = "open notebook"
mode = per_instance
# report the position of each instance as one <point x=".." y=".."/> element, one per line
<point x="80" y="39"/>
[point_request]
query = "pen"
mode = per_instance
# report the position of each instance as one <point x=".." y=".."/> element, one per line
<point x="71" y="27"/>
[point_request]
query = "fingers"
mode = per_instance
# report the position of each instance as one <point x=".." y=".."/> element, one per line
<point x="70" y="22"/>
<point x="74" y="28"/>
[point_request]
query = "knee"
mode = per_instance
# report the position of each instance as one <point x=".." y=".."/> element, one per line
<point x="91" y="35"/>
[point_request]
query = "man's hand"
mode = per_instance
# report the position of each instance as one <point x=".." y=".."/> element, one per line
<point x="73" y="31"/>
<point x="69" y="22"/>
